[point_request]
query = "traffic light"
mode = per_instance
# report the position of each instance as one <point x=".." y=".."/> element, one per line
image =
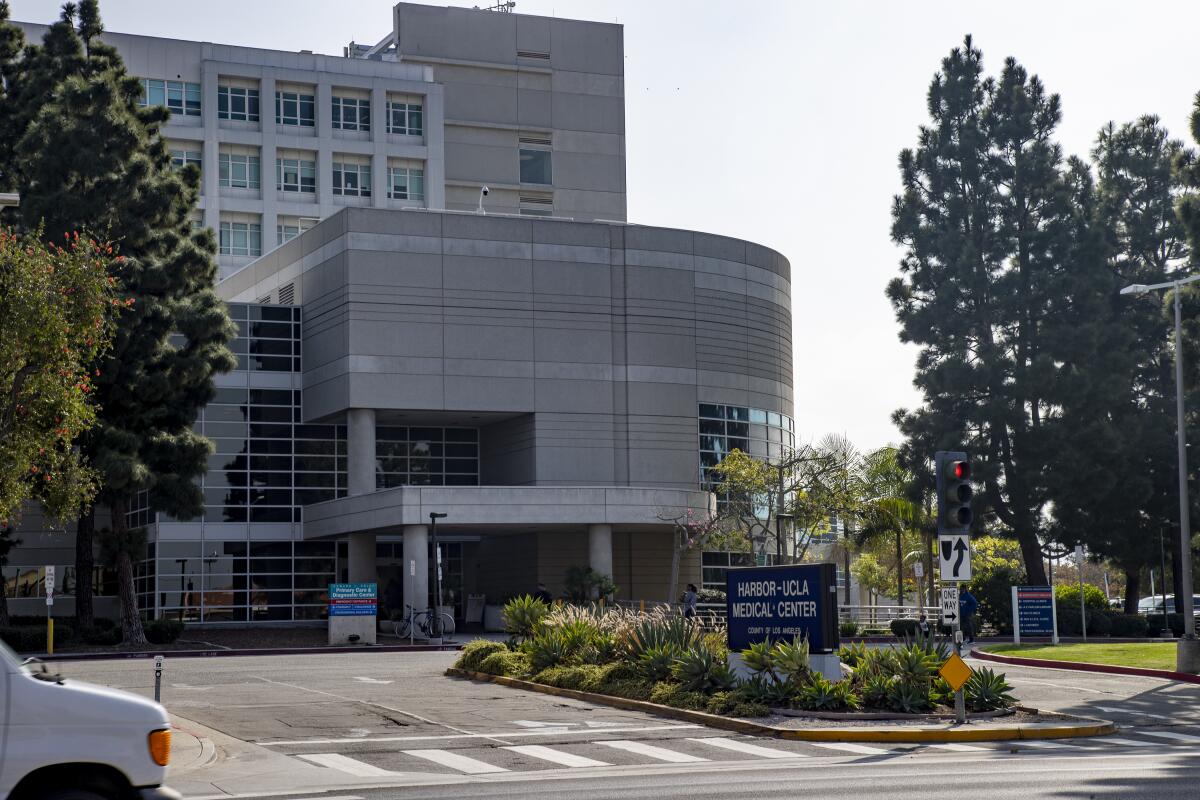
<point x="954" y="492"/>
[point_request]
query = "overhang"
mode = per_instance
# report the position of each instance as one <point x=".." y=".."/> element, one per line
<point x="504" y="508"/>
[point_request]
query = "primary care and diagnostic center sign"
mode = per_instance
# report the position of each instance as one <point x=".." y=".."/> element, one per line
<point x="352" y="599"/>
<point x="781" y="603"/>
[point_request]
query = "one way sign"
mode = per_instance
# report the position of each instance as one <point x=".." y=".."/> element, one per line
<point x="950" y="606"/>
<point x="954" y="556"/>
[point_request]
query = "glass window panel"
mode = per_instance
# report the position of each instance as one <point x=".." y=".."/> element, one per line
<point x="712" y="427"/>
<point x="707" y="410"/>
<point x="535" y="166"/>
<point x="737" y="413"/>
<point x="462" y="434"/>
<point x="740" y="429"/>
<point x="739" y="444"/>
<point x="758" y="415"/>
<point x="271" y="463"/>
<point x="774" y="419"/>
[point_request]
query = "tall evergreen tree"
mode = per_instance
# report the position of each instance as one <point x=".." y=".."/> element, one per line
<point x="1115" y="489"/>
<point x="91" y="157"/>
<point x="988" y="224"/>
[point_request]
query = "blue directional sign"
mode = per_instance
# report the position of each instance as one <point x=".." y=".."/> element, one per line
<point x="1035" y="610"/>
<point x="352" y="599"/>
<point x="781" y="603"/>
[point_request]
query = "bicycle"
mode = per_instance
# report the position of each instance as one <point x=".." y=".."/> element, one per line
<point x="422" y="620"/>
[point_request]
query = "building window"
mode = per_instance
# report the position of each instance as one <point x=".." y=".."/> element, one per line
<point x="426" y="456"/>
<point x="179" y="97"/>
<point x="294" y="108"/>
<point x="723" y="429"/>
<point x="535" y="166"/>
<point x="181" y="158"/>
<point x="351" y="114"/>
<point x="289" y="228"/>
<point x="404" y="118"/>
<point x="296" y="175"/>
<point x="352" y="179"/>
<point x="240" y="170"/>
<point x="406" y="183"/>
<point x="241" y="238"/>
<point x="237" y="102"/>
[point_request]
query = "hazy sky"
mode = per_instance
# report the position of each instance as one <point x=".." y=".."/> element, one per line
<point x="781" y="122"/>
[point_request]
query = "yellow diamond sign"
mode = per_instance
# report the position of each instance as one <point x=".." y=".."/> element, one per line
<point x="955" y="671"/>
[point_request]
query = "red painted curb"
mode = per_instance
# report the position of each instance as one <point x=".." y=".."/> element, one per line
<point x="1081" y="666"/>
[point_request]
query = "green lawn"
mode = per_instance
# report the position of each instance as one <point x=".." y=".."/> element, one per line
<point x="1151" y="655"/>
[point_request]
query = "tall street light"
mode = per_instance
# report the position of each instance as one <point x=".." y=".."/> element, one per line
<point x="1187" y="653"/>
<point x="435" y="622"/>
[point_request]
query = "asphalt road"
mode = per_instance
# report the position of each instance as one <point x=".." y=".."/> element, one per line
<point x="349" y="724"/>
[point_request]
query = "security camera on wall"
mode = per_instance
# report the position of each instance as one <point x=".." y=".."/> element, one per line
<point x="483" y="192"/>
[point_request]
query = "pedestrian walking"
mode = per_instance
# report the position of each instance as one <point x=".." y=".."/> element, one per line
<point x="967" y="606"/>
<point x="690" y="598"/>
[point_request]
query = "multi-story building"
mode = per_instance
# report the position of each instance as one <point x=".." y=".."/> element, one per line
<point x="539" y="373"/>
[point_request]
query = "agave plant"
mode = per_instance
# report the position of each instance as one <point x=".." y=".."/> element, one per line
<point x="818" y="694"/>
<point x="876" y="689"/>
<point x="791" y="659"/>
<point x="760" y="659"/>
<point x="852" y="654"/>
<point x="769" y="692"/>
<point x="910" y="697"/>
<point x="546" y="649"/>
<point x="677" y="633"/>
<point x="523" y="616"/>
<point x="655" y="663"/>
<point x="933" y="645"/>
<point x="846" y="696"/>
<point x="988" y="691"/>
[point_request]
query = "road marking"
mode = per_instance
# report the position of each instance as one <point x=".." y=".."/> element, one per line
<point x="1127" y="711"/>
<point x="348" y="765"/>
<point x="371" y="680"/>
<point x="1130" y="742"/>
<point x="961" y="748"/>
<point x="555" y="756"/>
<point x="650" y="751"/>
<point x="850" y="748"/>
<point x="1179" y="737"/>
<point x="746" y="747"/>
<point x="470" y="766"/>
<point x="494" y="736"/>
<point x="1043" y="745"/>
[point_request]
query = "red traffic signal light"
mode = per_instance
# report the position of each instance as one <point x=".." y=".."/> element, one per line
<point x="954" y="492"/>
<point x="961" y="470"/>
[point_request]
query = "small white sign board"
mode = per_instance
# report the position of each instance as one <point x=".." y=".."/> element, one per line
<point x="50" y="582"/>
<point x="919" y="569"/>
<point x="950" y="614"/>
<point x="954" y="556"/>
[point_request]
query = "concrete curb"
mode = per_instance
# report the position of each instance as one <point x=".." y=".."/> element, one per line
<point x="880" y="733"/>
<point x="1082" y="666"/>
<point x="273" y="651"/>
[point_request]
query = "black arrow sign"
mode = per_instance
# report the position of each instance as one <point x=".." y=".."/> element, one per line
<point x="947" y="549"/>
<point x="950" y="617"/>
<point x="961" y="549"/>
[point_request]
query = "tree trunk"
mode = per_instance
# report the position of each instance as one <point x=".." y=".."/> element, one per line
<point x="899" y="572"/>
<point x="131" y="620"/>
<point x="930" y="544"/>
<point x="85" y="563"/>
<point x="1133" y="580"/>
<point x="674" y="584"/>
<point x="1031" y="555"/>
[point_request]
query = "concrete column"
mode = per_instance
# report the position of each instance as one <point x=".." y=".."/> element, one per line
<point x="600" y="549"/>
<point x="360" y="446"/>
<point x="416" y="548"/>
<point x="360" y="552"/>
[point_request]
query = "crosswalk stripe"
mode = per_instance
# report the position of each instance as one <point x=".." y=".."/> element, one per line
<point x="850" y="748"/>
<point x="470" y="766"/>
<point x="1043" y="745"/>
<point x="555" y="756"/>
<point x="1179" y="737"/>
<point x="1128" y="742"/>
<point x="650" y="751"/>
<point x="745" y="747"/>
<point x="960" y="748"/>
<point x="345" y="764"/>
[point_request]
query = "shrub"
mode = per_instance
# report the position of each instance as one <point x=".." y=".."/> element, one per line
<point x="758" y="658"/>
<point x="672" y="694"/>
<point x="716" y="643"/>
<point x="656" y="663"/>
<point x="1066" y="595"/>
<point x="768" y="692"/>
<point x="852" y="654"/>
<point x="818" y="695"/>
<point x="849" y="628"/>
<point x="105" y="636"/>
<point x="1133" y="626"/>
<point x="1174" y="623"/>
<point x="582" y="584"/>
<point x="632" y="688"/>
<point x="674" y="632"/>
<point x="908" y="696"/>
<point x="875" y="691"/>
<point x="475" y="652"/>
<point x="902" y="628"/>
<point x="505" y="662"/>
<point x="791" y="658"/>
<point x="929" y="644"/>
<point x="163" y="631"/>
<point x="25" y="638"/>
<point x="993" y="589"/>
<point x="987" y="691"/>
<point x="750" y="710"/>
<point x="546" y="649"/>
<point x="1098" y="622"/>
<point x="569" y="677"/>
<point x="523" y="616"/>
<point x="699" y="671"/>
<point x="711" y="596"/>
<point x="940" y="693"/>
<point x="602" y="648"/>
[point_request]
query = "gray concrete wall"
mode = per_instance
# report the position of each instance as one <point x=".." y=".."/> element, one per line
<point x="609" y="335"/>
<point x="509" y="77"/>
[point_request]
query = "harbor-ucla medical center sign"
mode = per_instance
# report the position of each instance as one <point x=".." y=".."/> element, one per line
<point x="781" y="603"/>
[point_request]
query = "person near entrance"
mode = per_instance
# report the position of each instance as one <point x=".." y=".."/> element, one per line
<point x="690" y="598"/>
<point x="542" y="594"/>
<point x="967" y="606"/>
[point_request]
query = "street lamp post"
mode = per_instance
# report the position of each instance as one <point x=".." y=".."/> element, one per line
<point x="435" y="621"/>
<point x="1187" y="653"/>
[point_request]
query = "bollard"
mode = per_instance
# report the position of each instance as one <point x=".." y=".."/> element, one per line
<point x="49" y="635"/>
<point x="158" y="662"/>
<point x="642" y="606"/>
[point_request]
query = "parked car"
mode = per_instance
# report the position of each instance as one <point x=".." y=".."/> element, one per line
<point x="1154" y="605"/>
<point x="63" y="739"/>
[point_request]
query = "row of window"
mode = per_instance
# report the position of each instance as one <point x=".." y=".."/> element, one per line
<point x="295" y="108"/>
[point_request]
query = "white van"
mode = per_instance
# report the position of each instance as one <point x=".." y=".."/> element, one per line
<point x="67" y="740"/>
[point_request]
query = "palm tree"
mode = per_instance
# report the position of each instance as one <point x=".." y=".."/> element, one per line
<point x="886" y="510"/>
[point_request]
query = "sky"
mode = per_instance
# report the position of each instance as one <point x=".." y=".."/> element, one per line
<point x="781" y="123"/>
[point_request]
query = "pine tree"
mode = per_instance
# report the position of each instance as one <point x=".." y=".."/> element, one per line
<point x="92" y="158"/>
<point x="987" y="221"/>
<point x="1115" y="487"/>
